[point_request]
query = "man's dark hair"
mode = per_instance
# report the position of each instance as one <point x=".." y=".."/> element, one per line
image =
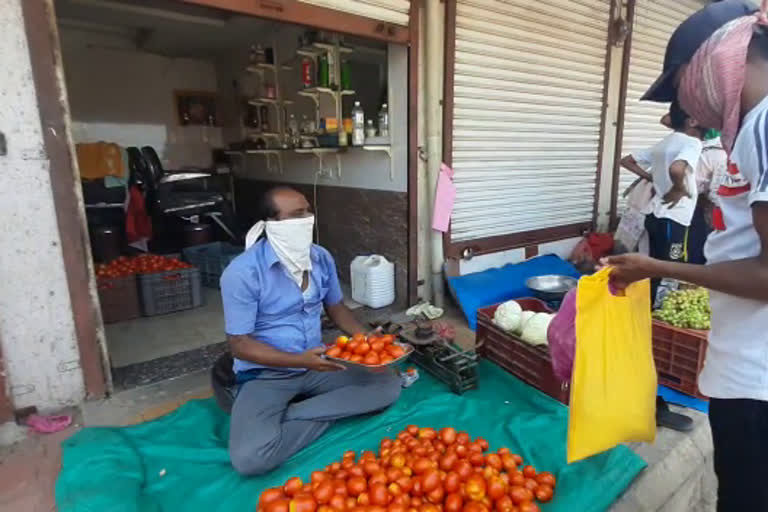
<point x="677" y="116"/>
<point x="266" y="209"/>
<point x="758" y="45"/>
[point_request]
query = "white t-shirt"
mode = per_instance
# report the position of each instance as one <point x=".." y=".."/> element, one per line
<point x="659" y="158"/>
<point x="712" y="168"/>
<point x="737" y="354"/>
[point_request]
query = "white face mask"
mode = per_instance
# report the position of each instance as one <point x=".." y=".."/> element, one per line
<point x="291" y="239"/>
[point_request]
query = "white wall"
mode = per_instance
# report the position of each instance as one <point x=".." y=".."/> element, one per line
<point x="121" y="95"/>
<point x="36" y="325"/>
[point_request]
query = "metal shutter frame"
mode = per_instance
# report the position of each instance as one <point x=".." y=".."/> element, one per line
<point x="391" y="11"/>
<point x="527" y="117"/>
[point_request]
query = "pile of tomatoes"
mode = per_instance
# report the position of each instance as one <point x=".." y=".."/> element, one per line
<point x="142" y="264"/>
<point x="374" y="350"/>
<point x="422" y="470"/>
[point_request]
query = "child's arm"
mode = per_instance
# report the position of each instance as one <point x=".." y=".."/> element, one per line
<point x="629" y="163"/>
<point x="677" y="172"/>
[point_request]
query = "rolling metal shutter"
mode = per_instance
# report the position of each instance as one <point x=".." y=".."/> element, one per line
<point x="391" y="11"/>
<point x="528" y="99"/>
<point x="655" y="20"/>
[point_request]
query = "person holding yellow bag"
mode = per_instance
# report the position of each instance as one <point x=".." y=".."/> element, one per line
<point x="725" y="87"/>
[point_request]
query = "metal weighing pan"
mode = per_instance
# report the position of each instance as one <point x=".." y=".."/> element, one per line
<point x="349" y="364"/>
<point x="551" y="287"/>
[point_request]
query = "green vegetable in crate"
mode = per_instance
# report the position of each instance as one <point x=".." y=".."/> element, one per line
<point x="688" y="309"/>
<point x="507" y="315"/>
<point x="535" y="329"/>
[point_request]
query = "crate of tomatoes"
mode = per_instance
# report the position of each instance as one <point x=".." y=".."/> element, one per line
<point x="167" y="284"/>
<point x="422" y="470"/>
<point x="118" y="294"/>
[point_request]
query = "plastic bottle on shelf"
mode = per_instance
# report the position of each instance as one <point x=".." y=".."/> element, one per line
<point x="358" y="130"/>
<point x="322" y="71"/>
<point x="384" y="121"/>
<point x="370" y="130"/>
<point x="258" y="55"/>
<point x="306" y="72"/>
<point x="333" y="78"/>
<point x="345" y="76"/>
<point x="293" y="131"/>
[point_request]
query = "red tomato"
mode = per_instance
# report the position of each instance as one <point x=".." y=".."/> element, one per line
<point x="529" y="472"/>
<point x="531" y="484"/>
<point x="518" y="459"/>
<point x="448" y="461"/>
<point x="412" y="430"/>
<point x="474" y="506"/>
<point x="427" y="433"/>
<point x="544" y="493"/>
<point x="453" y="502"/>
<point x="496" y="488"/>
<point x="405" y="483"/>
<point x="324" y="491"/>
<point x="428" y="507"/>
<point x="378" y="478"/>
<point x="520" y="495"/>
<point x="508" y="462"/>
<point x="371" y="467"/>
<point x="293" y="486"/>
<point x="483" y="444"/>
<point x="422" y="465"/>
<point x="364" y="499"/>
<point x="529" y="507"/>
<point x="394" y="473"/>
<point x="463" y="469"/>
<point x="436" y="496"/>
<point x="504" y="504"/>
<point x="475" y="487"/>
<point x="477" y="459"/>
<point x="397" y="507"/>
<point x="302" y="502"/>
<point x="397" y="460"/>
<point x="452" y="482"/>
<point x="379" y="495"/>
<point x="448" y="435"/>
<point x="338" y="502"/>
<point x="430" y="481"/>
<point x="270" y="495"/>
<point x="356" y="471"/>
<point x="333" y="352"/>
<point x="546" y="478"/>
<point x="278" y="505"/>
<point x="356" y="485"/>
<point x="517" y="479"/>
<point x="494" y="460"/>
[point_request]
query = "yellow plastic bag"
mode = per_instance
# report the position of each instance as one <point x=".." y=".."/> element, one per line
<point x="613" y="386"/>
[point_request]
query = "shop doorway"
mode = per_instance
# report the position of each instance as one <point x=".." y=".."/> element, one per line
<point x="238" y="104"/>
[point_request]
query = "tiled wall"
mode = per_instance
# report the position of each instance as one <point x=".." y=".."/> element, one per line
<point x="351" y="222"/>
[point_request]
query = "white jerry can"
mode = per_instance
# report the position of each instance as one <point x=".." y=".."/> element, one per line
<point x="373" y="281"/>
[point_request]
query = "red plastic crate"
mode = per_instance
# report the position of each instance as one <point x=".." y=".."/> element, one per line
<point x="679" y="356"/>
<point x="530" y="364"/>
<point x="119" y="298"/>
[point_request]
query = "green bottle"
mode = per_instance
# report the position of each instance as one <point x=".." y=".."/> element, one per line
<point x="322" y="71"/>
<point x="345" y="75"/>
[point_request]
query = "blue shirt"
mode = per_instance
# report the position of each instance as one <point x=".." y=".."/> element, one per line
<point x="261" y="300"/>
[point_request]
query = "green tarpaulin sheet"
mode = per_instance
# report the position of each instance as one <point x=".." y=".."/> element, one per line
<point x="180" y="463"/>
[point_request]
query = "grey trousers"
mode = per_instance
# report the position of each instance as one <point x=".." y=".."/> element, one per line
<point x="269" y="424"/>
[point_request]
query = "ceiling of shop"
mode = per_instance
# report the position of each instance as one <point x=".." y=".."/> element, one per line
<point x="167" y="27"/>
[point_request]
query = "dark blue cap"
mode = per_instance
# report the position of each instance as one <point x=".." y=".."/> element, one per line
<point x="686" y="40"/>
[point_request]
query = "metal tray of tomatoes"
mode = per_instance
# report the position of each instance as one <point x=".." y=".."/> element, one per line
<point x="352" y="364"/>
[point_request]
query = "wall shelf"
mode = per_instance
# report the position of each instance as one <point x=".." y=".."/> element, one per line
<point x="320" y="154"/>
<point x="260" y="68"/>
<point x="268" y="101"/>
<point x="384" y="149"/>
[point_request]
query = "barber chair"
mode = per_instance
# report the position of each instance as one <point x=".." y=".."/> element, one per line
<point x="183" y="194"/>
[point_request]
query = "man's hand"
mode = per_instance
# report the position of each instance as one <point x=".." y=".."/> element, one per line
<point x="628" y="268"/>
<point x="674" y="196"/>
<point x="313" y="359"/>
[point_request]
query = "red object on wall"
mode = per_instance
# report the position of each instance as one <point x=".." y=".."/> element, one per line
<point x="600" y="244"/>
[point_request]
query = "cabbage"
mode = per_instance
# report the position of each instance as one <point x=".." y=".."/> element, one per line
<point x="524" y="317"/>
<point x="535" y="329"/>
<point x="507" y="315"/>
